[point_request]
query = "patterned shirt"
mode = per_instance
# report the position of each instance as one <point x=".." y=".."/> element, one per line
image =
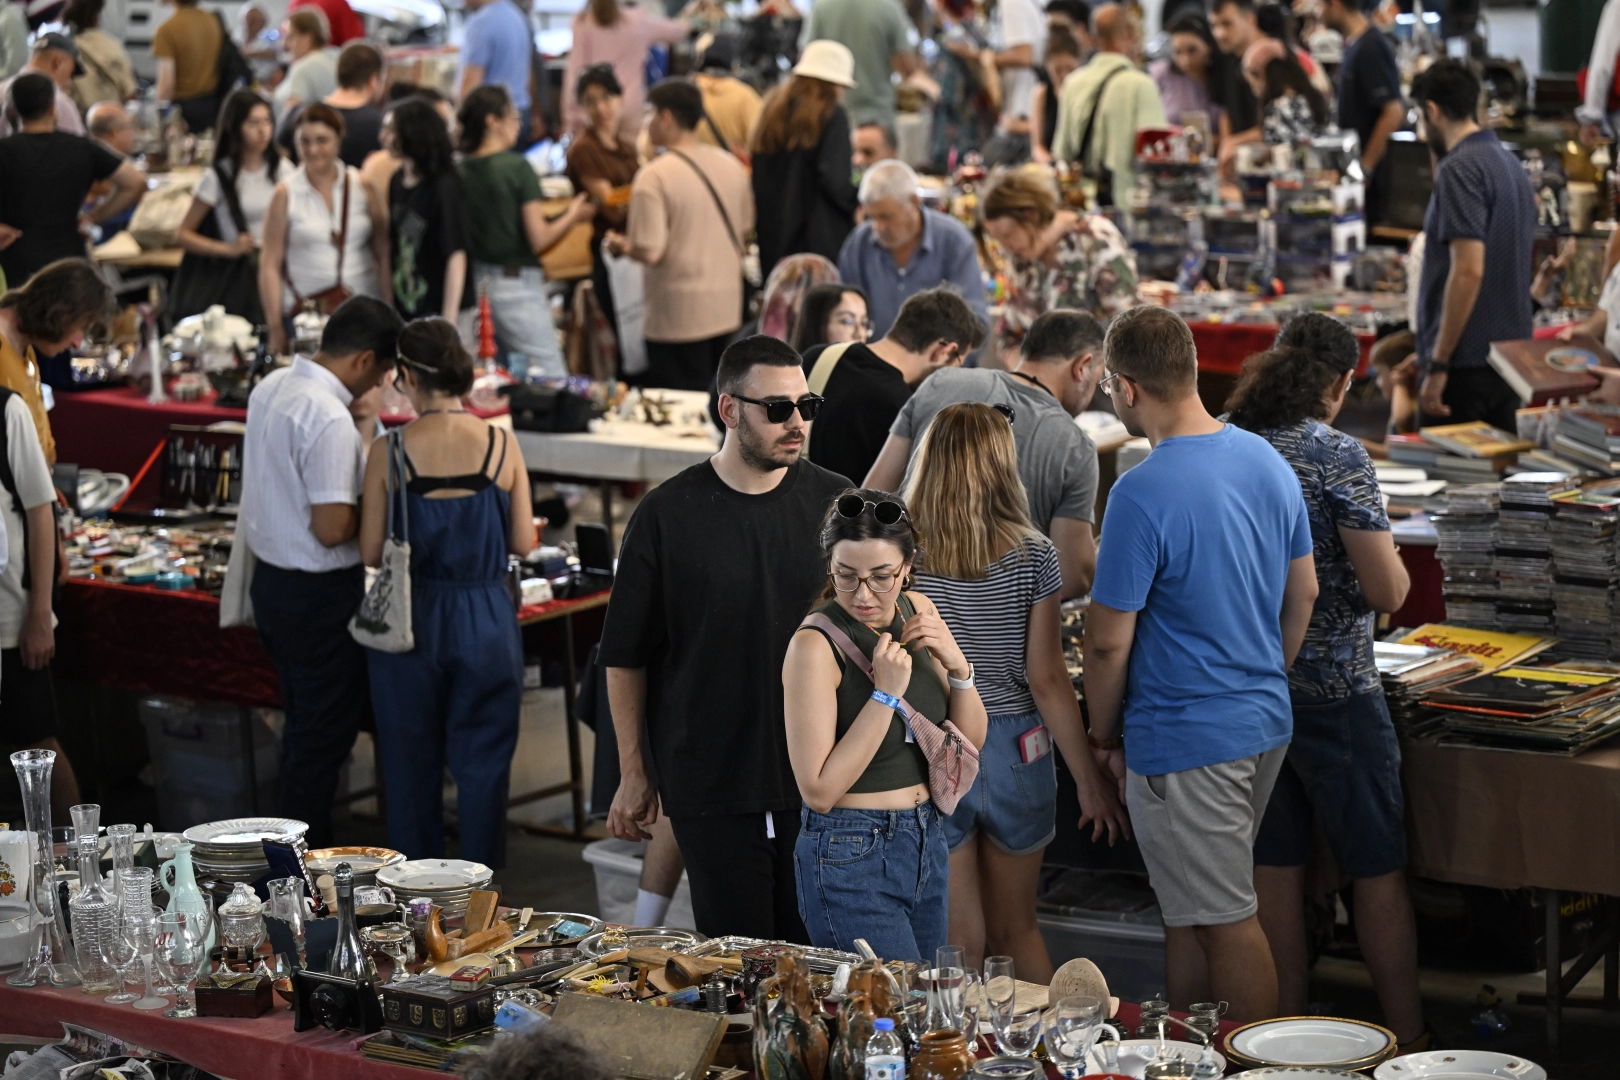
<point x="1341" y="491"/>
<point x="1288" y="120"/>
<point x="1095" y="272"/>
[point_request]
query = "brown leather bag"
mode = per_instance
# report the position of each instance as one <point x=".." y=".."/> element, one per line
<point x="330" y="298"/>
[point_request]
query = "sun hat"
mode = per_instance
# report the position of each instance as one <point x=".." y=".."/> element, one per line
<point x="828" y="61"/>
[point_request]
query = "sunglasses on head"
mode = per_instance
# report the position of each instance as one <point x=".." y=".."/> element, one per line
<point x="887" y="511"/>
<point x="1005" y="410"/>
<point x="778" y="411"/>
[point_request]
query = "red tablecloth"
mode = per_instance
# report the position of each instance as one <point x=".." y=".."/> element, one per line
<point x="1222" y="347"/>
<point x="241" y="1049"/>
<point x="115" y="430"/>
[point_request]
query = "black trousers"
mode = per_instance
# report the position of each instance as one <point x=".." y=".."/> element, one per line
<point x="27" y="702"/>
<point x="200" y="113"/>
<point x="1477" y="394"/>
<point x="303" y="620"/>
<point x="684" y="365"/>
<point x="741" y="879"/>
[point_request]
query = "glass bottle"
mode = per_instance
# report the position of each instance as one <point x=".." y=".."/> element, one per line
<point x="349" y="959"/>
<point x="95" y="921"/>
<point x="50" y="959"/>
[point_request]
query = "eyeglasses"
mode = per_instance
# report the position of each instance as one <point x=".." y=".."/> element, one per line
<point x="1105" y="388"/>
<point x="849" y="581"/>
<point x="778" y="411"/>
<point x="849" y="322"/>
<point x="1005" y="410"/>
<point x="887" y="512"/>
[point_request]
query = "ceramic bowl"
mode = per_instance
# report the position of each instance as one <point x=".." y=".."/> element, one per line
<point x="17" y="925"/>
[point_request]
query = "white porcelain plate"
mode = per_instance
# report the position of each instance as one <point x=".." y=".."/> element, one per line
<point x="435" y="875"/>
<point x="242" y="831"/>
<point x="1309" y="1040"/>
<point x="1459" y="1065"/>
<point x="1135" y="1055"/>
<point x="1296" y="1072"/>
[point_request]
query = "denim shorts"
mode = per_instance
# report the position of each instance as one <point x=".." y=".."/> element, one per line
<point x="1344" y="770"/>
<point x="1014" y="803"/>
<point x="882" y="875"/>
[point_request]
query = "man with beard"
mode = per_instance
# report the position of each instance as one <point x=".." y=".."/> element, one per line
<point x="718" y="566"/>
<point x="1477" y="261"/>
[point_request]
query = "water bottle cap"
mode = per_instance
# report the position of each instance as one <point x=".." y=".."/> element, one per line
<point x="883" y="1023"/>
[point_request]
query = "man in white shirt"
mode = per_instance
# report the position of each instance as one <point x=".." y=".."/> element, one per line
<point x="302" y="464"/>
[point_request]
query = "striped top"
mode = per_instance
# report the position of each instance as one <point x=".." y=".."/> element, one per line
<point x="990" y="619"/>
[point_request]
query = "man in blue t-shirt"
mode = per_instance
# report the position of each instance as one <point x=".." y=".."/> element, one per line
<point x="496" y="51"/>
<point x="1204" y="590"/>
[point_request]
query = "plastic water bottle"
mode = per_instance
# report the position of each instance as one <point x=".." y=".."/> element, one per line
<point x="885" y="1057"/>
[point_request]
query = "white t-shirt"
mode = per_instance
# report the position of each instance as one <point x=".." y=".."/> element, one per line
<point x="34" y="488"/>
<point x="1609" y="302"/>
<point x="253" y="191"/>
<point x="312" y="262"/>
<point x="1020" y="22"/>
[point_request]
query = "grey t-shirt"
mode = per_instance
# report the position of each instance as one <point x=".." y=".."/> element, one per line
<point x="1056" y="460"/>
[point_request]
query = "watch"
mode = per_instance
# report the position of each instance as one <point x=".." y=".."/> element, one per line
<point x="1442" y="366"/>
<point x="961" y="684"/>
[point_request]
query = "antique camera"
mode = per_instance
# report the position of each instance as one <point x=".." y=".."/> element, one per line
<point x="321" y="1000"/>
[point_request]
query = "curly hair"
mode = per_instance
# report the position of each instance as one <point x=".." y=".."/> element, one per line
<point x="543" y="1053"/>
<point x="1325" y="337"/>
<point x="1280" y="388"/>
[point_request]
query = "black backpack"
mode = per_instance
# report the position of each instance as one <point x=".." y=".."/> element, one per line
<point x="233" y="66"/>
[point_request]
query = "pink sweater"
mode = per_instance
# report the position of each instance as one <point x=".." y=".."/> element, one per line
<point x="624" y="45"/>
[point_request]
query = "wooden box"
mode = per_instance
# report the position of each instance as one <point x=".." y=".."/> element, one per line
<point x="429" y="1005"/>
<point x="228" y="994"/>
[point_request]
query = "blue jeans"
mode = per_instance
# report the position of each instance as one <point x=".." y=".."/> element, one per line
<point x="522" y="314"/>
<point x="882" y="875"/>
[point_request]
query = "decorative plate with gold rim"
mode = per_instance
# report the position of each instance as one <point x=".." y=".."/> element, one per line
<point x="1460" y="1065"/>
<point x="1318" y="1041"/>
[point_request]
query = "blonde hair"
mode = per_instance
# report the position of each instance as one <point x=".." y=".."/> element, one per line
<point x="965" y="495"/>
<point x="1028" y="194"/>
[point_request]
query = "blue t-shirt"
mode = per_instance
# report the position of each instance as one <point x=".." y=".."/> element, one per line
<point x="1197" y="541"/>
<point x="497" y="40"/>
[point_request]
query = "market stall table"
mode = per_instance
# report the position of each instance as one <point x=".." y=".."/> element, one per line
<point x="1222" y="347"/>
<point x="116" y="429"/>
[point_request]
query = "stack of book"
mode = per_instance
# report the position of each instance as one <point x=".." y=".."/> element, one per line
<point x="1560" y="709"/>
<point x="1467" y="554"/>
<point x="1410" y="671"/>
<point x="1590" y="436"/>
<point x="1524" y="566"/>
<point x="1460" y="453"/>
<point x="1586" y="572"/>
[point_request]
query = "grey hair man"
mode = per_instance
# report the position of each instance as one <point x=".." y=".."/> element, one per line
<point x="904" y="248"/>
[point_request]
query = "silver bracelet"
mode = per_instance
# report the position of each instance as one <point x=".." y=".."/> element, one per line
<point x="961" y="684"/>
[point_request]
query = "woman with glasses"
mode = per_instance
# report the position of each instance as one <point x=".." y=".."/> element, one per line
<point x="832" y="314"/>
<point x="871" y="857"/>
<point x="454" y="699"/>
<point x="995" y="579"/>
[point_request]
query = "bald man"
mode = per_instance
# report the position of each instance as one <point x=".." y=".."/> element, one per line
<point x="109" y="122"/>
<point x="1110" y="98"/>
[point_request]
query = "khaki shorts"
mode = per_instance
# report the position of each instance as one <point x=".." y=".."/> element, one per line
<point x="1196" y="829"/>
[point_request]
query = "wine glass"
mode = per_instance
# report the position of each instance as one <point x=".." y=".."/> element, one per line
<point x="973" y="1015"/>
<point x="140" y="930"/>
<point x="1071" y="1028"/>
<point x="123" y="954"/>
<point x="1019" y="1036"/>
<point x="182" y="948"/>
<point x="1000" y="991"/>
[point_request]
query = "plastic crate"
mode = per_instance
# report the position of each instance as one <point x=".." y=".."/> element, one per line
<point x="1112" y="919"/>
<point x="618" y="874"/>
<point x="199" y="762"/>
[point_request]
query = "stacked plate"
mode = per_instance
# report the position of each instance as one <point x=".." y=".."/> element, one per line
<point x="1320" y="1042"/>
<point x="364" y="861"/>
<point x="447" y="882"/>
<point x="233" y="849"/>
<point x="1460" y="1065"/>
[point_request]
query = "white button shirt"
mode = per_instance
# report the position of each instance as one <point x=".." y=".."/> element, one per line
<point x="301" y="450"/>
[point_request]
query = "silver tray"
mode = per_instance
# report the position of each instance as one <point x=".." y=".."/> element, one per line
<point x="822" y="961"/>
<point x="672" y="938"/>
<point x="545" y="920"/>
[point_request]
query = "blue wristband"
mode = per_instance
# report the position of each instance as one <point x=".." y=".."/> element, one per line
<point x="885" y="699"/>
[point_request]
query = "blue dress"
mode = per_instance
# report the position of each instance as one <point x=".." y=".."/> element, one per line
<point x="455" y="698"/>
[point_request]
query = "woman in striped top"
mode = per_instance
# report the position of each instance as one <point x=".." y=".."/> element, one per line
<point x="994" y="579"/>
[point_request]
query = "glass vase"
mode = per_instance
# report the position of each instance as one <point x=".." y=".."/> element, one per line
<point x="95" y="922"/>
<point x="121" y="839"/>
<point x="50" y="960"/>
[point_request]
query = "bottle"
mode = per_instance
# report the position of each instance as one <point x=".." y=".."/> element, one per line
<point x="349" y="960"/>
<point x="94" y="913"/>
<point x="885" y="1057"/>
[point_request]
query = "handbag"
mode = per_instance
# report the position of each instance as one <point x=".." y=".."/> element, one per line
<point x="736" y="241"/>
<point x="820" y="373"/>
<point x="233" y="66"/>
<point x="547" y="409"/>
<point x="235" y="594"/>
<point x="1105" y="175"/>
<point x="330" y="298"/>
<point x="205" y="280"/>
<point x="953" y="762"/>
<point x="384" y="619"/>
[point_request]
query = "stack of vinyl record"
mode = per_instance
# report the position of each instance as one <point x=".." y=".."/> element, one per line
<point x="1558" y="709"/>
<point x="1524" y="567"/>
<point x="1408" y="672"/>
<point x="1467" y="553"/>
<point x="1585" y="530"/>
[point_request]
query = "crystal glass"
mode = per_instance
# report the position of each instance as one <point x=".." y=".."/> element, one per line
<point x="1000" y="992"/>
<point x="913" y="1002"/>
<point x="121" y="838"/>
<point x="241" y="919"/>
<point x="1021" y="1033"/>
<point x="86" y="819"/>
<point x="50" y="958"/>
<point x="1005" y="1068"/>
<point x="973" y="1022"/>
<point x="287" y="904"/>
<point x="182" y="949"/>
<point x="140" y="930"/>
<point x="393" y="940"/>
<point x="123" y="955"/>
<point x="95" y="921"/>
<point x="1071" y="1029"/>
<point x="945" y="989"/>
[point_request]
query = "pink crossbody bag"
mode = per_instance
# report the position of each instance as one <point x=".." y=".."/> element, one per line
<point x="953" y="761"/>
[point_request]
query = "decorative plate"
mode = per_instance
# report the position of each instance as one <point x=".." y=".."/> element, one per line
<point x="1297" y="1072"/>
<point x="1311" y="1040"/>
<point x="427" y="877"/>
<point x="1136" y="1054"/>
<point x="364" y="861"/>
<point x="240" y="832"/>
<point x="1459" y="1064"/>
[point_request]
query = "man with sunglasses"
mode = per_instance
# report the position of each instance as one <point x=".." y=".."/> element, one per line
<point x="718" y="566"/>
<point x="866" y="384"/>
<point x="302" y="464"/>
<point x="1205" y="585"/>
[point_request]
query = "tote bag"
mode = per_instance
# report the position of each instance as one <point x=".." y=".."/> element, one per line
<point x="384" y="619"/>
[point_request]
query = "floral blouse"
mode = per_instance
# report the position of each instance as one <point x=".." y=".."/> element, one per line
<point x="1095" y="272"/>
<point x="1288" y="121"/>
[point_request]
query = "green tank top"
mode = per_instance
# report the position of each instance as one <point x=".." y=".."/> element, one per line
<point x="897" y="763"/>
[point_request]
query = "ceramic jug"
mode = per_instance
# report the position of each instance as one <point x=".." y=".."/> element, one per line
<point x="942" y="1055"/>
<point x="181" y="885"/>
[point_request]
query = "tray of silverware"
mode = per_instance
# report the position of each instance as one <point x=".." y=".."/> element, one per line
<point x="824" y="961"/>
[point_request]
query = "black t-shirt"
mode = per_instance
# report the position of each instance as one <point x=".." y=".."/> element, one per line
<point x="362" y="128"/>
<point x="863" y="396"/>
<point x="44" y="179"/>
<point x="1369" y="79"/>
<point x="428" y="225"/>
<point x="712" y="584"/>
<point x="1236" y="95"/>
